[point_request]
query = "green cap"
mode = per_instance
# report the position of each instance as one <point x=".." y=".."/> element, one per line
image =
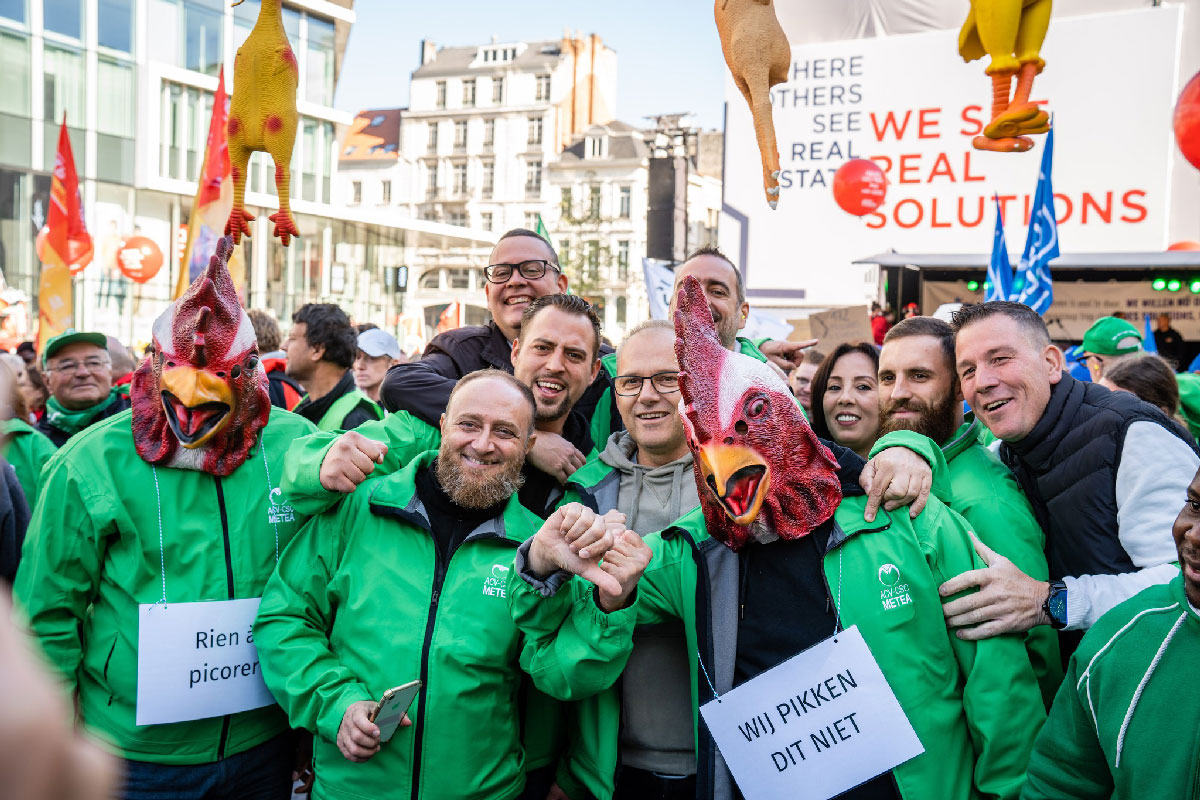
<point x="1189" y="400"/>
<point x="71" y="336"/>
<point x="1108" y="334"/>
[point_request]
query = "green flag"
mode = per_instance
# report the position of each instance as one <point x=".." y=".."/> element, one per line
<point x="540" y="230"/>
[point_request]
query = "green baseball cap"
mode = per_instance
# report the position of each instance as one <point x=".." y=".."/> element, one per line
<point x="71" y="336"/>
<point x="1107" y="334"/>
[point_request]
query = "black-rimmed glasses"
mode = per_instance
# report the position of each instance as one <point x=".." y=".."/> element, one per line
<point x="530" y="270"/>
<point x="631" y="385"/>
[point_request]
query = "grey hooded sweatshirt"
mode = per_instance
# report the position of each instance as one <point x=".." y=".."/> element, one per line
<point x="656" y="729"/>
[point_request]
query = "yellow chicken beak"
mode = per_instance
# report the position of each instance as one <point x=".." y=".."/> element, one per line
<point x="738" y="477"/>
<point x="198" y="404"/>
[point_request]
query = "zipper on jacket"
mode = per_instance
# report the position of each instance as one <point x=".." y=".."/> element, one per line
<point x="229" y="588"/>
<point x="439" y="577"/>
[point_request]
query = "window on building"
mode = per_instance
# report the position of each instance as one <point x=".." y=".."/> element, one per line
<point x="457" y="218"/>
<point x="621" y="309"/>
<point x="533" y="175"/>
<point x="489" y="132"/>
<point x="431" y="177"/>
<point x="564" y="251"/>
<point x="431" y="279"/>
<point x="114" y="82"/>
<point x="441" y="94"/>
<point x="543" y="87"/>
<point x="433" y="133"/>
<point x="485" y="220"/>
<point x="594" y="202"/>
<point x="458" y="278"/>
<point x="63" y="85"/>
<point x="14" y="76"/>
<point x="244" y="17"/>
<point x="623" y="260"/>
<point x="460" y="178"/>
<point x="14" y="10"/>
<point x="186" y="112"/>
<point x="114" y="24"/>
<point x="535" y="130"/>
<point x="386" y="192"/>
<point x="566" y="203"/>
<point x="202" y="35"/>
<point x="497" y="91"/>
<point x="626" y="202"/>
<point x="597" y="146"/>
<point x="356" y="192"/>
<point x="460" y="134"/>
<point x="489" y="179"/>
<point x="592" y="254"/>
<point x="64" y="17"/>
<point x="468" y="93"/>
<point x="531" y="220"/>
<point x="318" y="66"/>
<point x="328" y="148"/>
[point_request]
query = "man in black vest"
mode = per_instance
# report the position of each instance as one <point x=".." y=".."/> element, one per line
<point x="1103" y="470"/>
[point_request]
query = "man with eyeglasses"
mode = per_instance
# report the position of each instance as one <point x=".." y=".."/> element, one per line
<point x="523" y="267"/>
<point x="79" y="377"/>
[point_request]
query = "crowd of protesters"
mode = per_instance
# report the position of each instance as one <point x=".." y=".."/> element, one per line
<point x="522" y="519"/>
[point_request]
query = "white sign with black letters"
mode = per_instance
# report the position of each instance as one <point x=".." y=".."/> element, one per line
<point x="820" y="723"/>
<point x="198" y="660"/>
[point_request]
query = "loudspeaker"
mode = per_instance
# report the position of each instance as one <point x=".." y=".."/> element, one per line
<point x="666" y="215"/>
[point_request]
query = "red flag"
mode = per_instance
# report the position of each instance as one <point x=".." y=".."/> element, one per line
<point x="63" y="246"/>
<point x="451" y="318"/>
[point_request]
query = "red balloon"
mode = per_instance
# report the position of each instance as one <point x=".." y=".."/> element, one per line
<point x="859" y="186"/>
<point x="1187" y="121"/>
<point x="1186" y="244"/>
<point x="79" y="251"/>
<point x="139" y="258"/>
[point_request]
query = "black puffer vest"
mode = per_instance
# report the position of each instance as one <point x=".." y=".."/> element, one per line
<point x="1067" y="467"/>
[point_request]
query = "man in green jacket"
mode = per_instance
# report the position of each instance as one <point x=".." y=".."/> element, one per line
<point x="28" y="450"/>
<point x="1113" y="731"/>
<point x="78" y="374"/>
<point x="142" y="569"/>
<point x="406" y="579"/>
<point x="776" y="559"/>
<point x="321" y="347"/>
<point x="918" y="391"/>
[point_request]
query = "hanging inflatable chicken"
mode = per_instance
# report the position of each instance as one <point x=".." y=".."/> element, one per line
<point x="759" y="57"/>
<point x="1011" y="33"/>
<point x="201" y="399"/>
<point x="760" y="470"/>
<point x="263" y="116"/>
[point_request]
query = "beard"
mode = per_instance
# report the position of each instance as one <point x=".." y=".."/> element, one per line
<point x="936" y="421"/>
<point x="477" y="493"/>
<point x="727" y="331"/>
<point x="557" y="411"/>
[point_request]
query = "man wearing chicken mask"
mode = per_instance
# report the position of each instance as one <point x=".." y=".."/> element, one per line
<point x="776" y="558"/>
<point x="162" y="516"/>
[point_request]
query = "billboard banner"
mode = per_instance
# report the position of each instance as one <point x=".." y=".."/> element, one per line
<point x="910" y="104"/>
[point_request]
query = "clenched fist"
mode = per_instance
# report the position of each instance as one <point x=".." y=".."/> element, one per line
<point x="349" y="462"/>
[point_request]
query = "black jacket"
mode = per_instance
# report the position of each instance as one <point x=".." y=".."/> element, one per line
<point x="115" y="406"/>
<point x="423" y="387"/>
<point x="1067" y="467"/>
<point x="314" y="410"/>
<point x="14" y="519"/>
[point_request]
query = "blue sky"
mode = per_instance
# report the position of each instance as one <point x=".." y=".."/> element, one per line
<point x="668" y="55"/>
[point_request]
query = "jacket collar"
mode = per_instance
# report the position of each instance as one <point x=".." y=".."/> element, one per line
<point x="1066" y="397"/>
<point x="963" y="438"/>
<point x="497" y="352"/>
<point x="1179" y="594"/>
<point x="396" y="496"/>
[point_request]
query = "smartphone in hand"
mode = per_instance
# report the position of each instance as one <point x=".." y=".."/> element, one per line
<point x="392" y="707"/>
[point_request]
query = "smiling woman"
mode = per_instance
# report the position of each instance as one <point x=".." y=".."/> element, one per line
<point x="845" y="397"/>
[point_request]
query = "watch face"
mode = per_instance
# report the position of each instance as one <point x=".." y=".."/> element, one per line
<point x="1057" y="606"/>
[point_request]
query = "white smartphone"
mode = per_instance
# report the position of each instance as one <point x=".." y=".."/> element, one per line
<point x="392" y="707"/>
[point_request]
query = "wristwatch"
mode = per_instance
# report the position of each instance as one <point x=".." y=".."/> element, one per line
<point x="1055" y="605"/>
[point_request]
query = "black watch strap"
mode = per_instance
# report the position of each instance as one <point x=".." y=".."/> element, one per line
<point x="1055" y="605"/>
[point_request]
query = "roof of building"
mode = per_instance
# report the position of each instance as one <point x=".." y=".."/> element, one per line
<point x="374" y="136"/>
<point x="624" y="142"/>
<point x="459" y="60"/>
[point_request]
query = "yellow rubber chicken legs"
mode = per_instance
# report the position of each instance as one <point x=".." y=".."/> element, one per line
<point x="1011" y="32"/>
<point x="263" y="116"/>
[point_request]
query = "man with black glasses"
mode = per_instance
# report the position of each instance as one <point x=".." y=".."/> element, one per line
<point x="523" y="267"/>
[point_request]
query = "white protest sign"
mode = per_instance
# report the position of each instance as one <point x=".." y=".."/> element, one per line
<point x="197" y="660"/>
<point x="820" y="723"/>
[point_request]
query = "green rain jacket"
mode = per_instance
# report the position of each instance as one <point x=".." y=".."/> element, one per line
<point x="361" y="602"/>
<point x="92" y="556"/>
<point x="984" y="492"/>
<point x="1123" y="723"/>
<point x="28" y="450"/>
<point x="974" y="705"/>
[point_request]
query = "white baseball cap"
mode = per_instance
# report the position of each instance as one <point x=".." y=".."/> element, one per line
<point x="378" y="342"/>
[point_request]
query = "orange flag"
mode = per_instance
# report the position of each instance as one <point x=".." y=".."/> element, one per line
<point x="450" y="318"/>
<point x="214" y="201"/>
<point x="63" y="246"/>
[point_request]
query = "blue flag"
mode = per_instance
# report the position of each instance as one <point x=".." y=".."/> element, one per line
<point x="1148" y="343"/>
<point x="999" y="274"/>
<point x="1034" y="287"/>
